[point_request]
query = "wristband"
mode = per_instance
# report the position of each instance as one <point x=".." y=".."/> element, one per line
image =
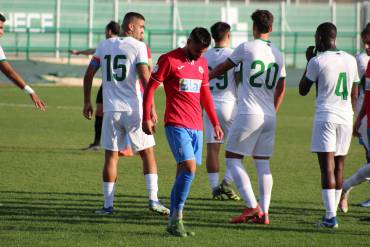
<point x="28" y="90"/>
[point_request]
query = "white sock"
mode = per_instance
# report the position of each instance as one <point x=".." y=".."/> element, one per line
<point x="151" y="181"/>
<point x="242" y="181"/>
<point x="360" y="176"/>
<point x="264" y="183"/>
<point x="228" y="177"/>
<point x="213" y="179"/>
<point x="108" y="191"/>
<point x="338" y="193"/>
<point x="328" y="197"/>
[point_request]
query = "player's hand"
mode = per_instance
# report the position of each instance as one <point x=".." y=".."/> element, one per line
<point x="88" y="110"/>
<point x="154" y="116"/>
<point x="356" y="127"/>
<point x="310" y="52"/>
<point x="148" y="127"/>
<point x="219" y="134"/>
<point x="74" y="52"/>
<point x="37" y="101"/>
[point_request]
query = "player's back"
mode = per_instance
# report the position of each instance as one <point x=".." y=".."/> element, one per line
<point x="336" y="71"/>
<point x="222" y="87"/>
<point x="263" y="66"/>
<point x="118" y="58"/>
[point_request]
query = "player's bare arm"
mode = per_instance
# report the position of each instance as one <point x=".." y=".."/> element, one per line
<point x="88" y="79"/>
<point x="83" y="52"/>
<point x="221" y="68"/>
<point x="354" y="96"/>
<point x="279" y="93"/>
<point x="143" y="71"/>
<point x="305" y="84"/>
<point x="360" y="116"/>
<point x="8" y="70"/>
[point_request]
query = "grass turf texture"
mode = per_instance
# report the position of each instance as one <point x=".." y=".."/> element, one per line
<point x="49" y="188"/>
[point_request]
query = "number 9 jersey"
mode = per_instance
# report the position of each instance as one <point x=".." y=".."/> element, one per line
<point x="118" y="58"/>
<point x="263" y="66"/>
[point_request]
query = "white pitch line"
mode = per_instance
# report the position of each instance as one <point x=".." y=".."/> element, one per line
<point x="47" y="107"/>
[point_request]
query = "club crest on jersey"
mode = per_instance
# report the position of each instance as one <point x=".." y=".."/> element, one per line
<point x="201" y="70"/>
<point x="190" y="85"/>
<point x="155" y="69"/>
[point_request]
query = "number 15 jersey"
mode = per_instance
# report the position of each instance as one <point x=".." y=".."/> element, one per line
<point x="263" y="66"/>
<point x="118" y="58"/>
<point x="334" y="72"/>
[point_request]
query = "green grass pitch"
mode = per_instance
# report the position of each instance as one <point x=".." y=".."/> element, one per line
<point x="49" y="188"/>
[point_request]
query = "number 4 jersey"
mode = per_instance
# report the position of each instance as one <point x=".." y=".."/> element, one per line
<point x="334" y="72"/>
<point x="263" y="66"/>
<point x="118" y="58"/>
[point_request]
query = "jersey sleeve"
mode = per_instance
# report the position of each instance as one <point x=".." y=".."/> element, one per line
<point x="2" y="54"/>
<point x="238" y="54"/>
<point x="142" y="54"/>
<point x="361" y="66"/>
<point x="356" y="78"/>
<point x="312" y="72"/>
<point x="282" y="72"/>
<point x="162" y="69"/>
<point x="206" y="98"/>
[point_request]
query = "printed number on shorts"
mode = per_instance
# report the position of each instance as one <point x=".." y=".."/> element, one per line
<point x="190" y="85"/>
<point x="259" y="67"/>
<point x="220" y="85"/>
<point x="341" y="88"/>
<point x="119" y="67"/>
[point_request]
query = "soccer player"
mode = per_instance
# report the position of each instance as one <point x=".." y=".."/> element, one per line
<point x="252" y="132"/>
<point x="9" y="71"/>
<point x="123" y="59"/>
<point x="224" y="94"/>
<point x="362" y="174"/>
<point x="334" y="71"/>
<point x="111" y="30"/>
<point x="184" y="74"/>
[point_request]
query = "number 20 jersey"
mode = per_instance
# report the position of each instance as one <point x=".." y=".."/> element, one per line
<point x="334" y="72"/>
<point x="263" y="66"/>
<point x="118" y="58"/>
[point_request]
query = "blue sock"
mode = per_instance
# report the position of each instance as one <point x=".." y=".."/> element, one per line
<point x="172" y="198"/>
<point x="180" y="190"/>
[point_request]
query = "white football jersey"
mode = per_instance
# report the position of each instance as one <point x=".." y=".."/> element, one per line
<point x="223" y="87"/>
<point x="335" y="72"/>
<point x="2" y="54"/>
<point x="362" y="61"/>
<point x="118" y="58"/>
<point x="263" y="66"/>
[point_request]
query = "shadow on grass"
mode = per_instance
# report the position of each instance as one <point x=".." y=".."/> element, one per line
<point x="20" y="208"/>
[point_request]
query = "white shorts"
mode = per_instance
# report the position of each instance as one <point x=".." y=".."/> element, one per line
<point x="225" y="113"/>
<point x="117" y="124"/>
<point x="331" y="137"/>
<point x="252" y="135"/>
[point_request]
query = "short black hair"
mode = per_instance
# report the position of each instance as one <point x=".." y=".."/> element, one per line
<point x="219" y="30"/>
<point x="113" y="27"/>
<point x="366" y="30"/>
<point x="2" y="17"/>
<point x="327" y="31"/>
<point x="201" y="36"/>
<point x="130" y="16"/>
<point x="263" y="20"/>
